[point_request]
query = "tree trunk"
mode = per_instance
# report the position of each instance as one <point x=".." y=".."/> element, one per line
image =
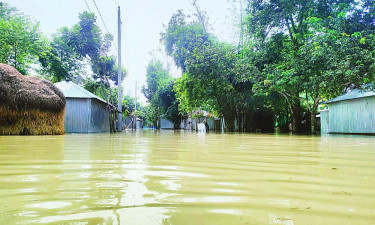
<point x="111" y="121"/>
<point x="229" y="123"/>
<point x="15" y="57"/>
<point x="296" y="116"/>
<point x="239" y="123"/>
<point x="313" y="123"/>
<point x="313" y="114"/>
<point x="294" y="108"/>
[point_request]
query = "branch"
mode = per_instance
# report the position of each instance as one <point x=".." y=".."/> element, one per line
<point x="317" y="100"/>
<point x="298" y="97"/>
<point x="300" y="21"/>
<point x="290" y="32"/>
<point x="200" y="17"/>
<point x="287" y="100"/>
<point x="293" y="25"/>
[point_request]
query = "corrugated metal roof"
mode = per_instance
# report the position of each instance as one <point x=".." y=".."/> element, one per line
<point x="366" y="91"/>
<point x="72" y="90"/>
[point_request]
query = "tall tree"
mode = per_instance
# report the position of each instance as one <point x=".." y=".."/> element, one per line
<point x="156" y="76"/>
<point x="87" y="40"/>
<point x="20" y="39"/>
<point x="182" y="37"/>
<point x="216" y="77"/>
<point x="300" y="46"/>
<point x="62" y="61"/>
<point x="160" y="94"/>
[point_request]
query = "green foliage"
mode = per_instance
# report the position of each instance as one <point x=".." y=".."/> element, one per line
<point x="311" y="48"/>
<point x="128" y="106"/>
<point x="181" y="38"/>
<point x="300" y="50"/>
<point x="160" y="94"/>
<point x="20" y="39"/>
<point x="216" y="77"/>
<point x="85" y="41"/>
<point x="168" y="103"/>
<point x="156" y="76"/>
<point x="61" y="61"/>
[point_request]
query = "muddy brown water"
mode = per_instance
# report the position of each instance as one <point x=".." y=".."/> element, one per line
<point x="187" y="178"/>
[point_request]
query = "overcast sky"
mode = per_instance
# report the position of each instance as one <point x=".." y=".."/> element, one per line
<point x="142" y="24"/>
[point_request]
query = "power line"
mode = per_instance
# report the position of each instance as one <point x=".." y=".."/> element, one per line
<point x="88" y="6"/>
<point x="100" y="18"/>
<point x="103" y="21"/>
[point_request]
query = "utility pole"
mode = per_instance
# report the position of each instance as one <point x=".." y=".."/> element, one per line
<point x="135" y="106"/>
<point x="135" y="94"/>
<point x="242" y="33"/>
<point x="119" y="96"/>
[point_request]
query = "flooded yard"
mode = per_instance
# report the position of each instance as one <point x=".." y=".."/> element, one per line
<point x="187" y="178"/>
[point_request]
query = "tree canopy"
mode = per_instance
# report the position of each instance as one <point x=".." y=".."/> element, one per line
<point x="21" y="40"/>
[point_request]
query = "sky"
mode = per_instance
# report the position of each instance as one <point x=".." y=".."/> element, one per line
<point x="142" y="23"/>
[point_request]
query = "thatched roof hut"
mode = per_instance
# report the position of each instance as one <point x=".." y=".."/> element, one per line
<point x="29" y="105"/>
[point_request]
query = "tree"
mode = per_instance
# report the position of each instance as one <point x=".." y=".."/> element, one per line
<point x="86" y="39"/>
<point x="167" y="101"/>
<point x="181" y="38"/>
<point x="301" y="48"/>
<point x="160" y="94"/>
<point x="62" y="61"/>
<point x="20" y="39"/>
<point x="156" y="76"/>
<point x="216" y="77"/>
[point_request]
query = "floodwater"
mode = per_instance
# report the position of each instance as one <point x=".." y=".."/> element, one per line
<point x="187" y="178"/>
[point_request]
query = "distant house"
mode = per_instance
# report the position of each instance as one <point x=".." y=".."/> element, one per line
<point x="190" y="123"/>
<point x="350" y="113"/>
<point x="84" y="111"/>
<point x="130" y="124"/>
<point x="139" y="123"/>
<point x="165" y="123"/>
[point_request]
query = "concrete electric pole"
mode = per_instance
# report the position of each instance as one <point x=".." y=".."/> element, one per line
<point x="135" y="105"/>
<point x="119" y="94"/>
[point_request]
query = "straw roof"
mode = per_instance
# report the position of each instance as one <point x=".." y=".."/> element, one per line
<point x="20" y="92"/>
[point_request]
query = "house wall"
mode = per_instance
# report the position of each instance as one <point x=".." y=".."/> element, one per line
<point x="128" y="122"/>
<point x="166" y="124"/>
<point x="139" y="124"/>
<point x="211" y="123"/>
<point x="77" y="115"/>
<point x="99" y="119"/>
<point x="324" y="122"/>
<point x="130" y="125"/>
<point x="192" y="123"/>
<point x="352" y="116"/>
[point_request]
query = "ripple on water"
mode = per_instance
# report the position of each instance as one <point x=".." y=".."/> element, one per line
<point x="49" y="205"/>
<point x="183" y="178"/>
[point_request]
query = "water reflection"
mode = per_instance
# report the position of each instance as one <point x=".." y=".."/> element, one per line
<point x="187" y="178"/>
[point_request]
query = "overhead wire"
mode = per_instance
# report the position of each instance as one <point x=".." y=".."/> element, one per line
<point x="88" y="6"/>
<point x="103" y="21"/>
<point x="101" y="17"/>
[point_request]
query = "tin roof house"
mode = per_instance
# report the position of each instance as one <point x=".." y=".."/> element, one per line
<point x="84" y="111"/>
<point x="350" y="113"/>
